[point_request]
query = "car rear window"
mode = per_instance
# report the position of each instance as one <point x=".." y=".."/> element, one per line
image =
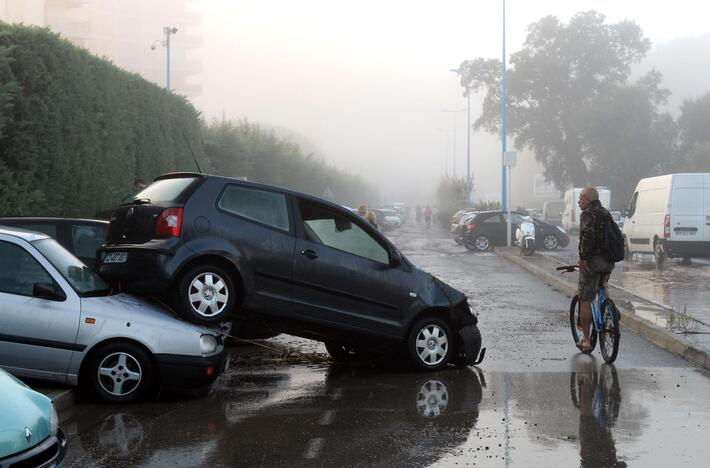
<point x="166" y="190"/>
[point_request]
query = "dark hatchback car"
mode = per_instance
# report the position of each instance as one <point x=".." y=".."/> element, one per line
<point x="81" y="237"/>
<point x="489" y="229"/>
<point x="223" y="248"/>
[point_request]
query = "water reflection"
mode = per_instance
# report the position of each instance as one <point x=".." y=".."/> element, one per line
<point x="349" y="416"/>
<point x="597" y="394"/>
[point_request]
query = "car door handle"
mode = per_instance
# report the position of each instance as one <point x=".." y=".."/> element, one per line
<point x="309" y="253"/>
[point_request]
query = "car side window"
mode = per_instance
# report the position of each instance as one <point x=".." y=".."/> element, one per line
<point x="22" y="271"/>
<point x="87" y="239"/>
<point x="334" y="230"/>
<point x="265" y="207"/>
<point x="493" y="219"/>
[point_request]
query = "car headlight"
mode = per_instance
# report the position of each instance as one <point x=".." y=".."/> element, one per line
<point x="53" y="420"/>
<point x="208" y="344"/>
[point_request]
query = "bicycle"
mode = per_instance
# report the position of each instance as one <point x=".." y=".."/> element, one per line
<point x="605" y="321"/>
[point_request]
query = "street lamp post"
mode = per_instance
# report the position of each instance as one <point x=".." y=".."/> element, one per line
<point x="456" y="111"/>
<point x="504" y="98"/>
<point x="168" y="32"/>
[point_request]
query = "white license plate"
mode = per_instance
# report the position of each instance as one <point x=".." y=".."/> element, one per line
<point x="116" y="257"/>
<point x="685" y="233"/>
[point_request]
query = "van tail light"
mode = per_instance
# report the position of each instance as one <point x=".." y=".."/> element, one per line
<point x="667" y="227"/>
<point x="471" y="227"/>
<point x="169" y="222"/>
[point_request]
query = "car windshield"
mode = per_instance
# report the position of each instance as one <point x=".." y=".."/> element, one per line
<point x="82" y="278"/>
<point x="165" y="190"/>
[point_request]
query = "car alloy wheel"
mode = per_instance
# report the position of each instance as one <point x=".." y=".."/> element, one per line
<point x="482" y="243"/>
<point x="430" y="344"/>
<point x="208" y="294"/>
<point x="119" y="374"/>
<point x="551" y="242"/>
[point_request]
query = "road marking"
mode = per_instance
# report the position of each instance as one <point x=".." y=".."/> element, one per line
<point x="327" y="418"/>
<point x="314" y="448"/>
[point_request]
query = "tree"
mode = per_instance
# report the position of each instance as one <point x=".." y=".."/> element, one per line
<point x="553" y="81"/>
<point x="693" y="154"/>
<point x="451" y="197"/>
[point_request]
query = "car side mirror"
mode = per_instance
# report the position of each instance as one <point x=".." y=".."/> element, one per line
<point x="395" y="258"/>
<point x="48" y="291"/>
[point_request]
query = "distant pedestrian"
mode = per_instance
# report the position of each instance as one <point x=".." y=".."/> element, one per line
<point x="138" y="185"/>
<point x="362" y="210"/>
<point x="371" y="218"/>
<point x="427" y="216"/>
<point x="419" y="214"/>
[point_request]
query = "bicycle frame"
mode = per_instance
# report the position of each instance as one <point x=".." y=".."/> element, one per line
<point x="597" y="310"/>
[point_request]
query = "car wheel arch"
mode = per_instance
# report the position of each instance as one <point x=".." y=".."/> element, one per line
<point x="439" y="312"/>
<point x="83" y="375"/>
<point x="211" y="259"/>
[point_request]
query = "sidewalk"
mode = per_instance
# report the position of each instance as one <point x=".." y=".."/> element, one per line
<point x="647" y="318"/>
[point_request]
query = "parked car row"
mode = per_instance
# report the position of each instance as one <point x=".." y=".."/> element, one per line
<point x="482" y="231"/>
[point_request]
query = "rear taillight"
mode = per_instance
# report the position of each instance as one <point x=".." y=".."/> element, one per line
<point x="667" y="227"/>
<point x="471" y="227"/>
<point x="169" y="222"/>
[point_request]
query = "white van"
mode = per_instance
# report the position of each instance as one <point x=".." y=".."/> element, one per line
<point x="669" y="216"/>
<point x="570" y="217"/>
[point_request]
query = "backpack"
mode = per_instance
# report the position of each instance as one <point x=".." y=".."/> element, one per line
<point x="613" y="238"/>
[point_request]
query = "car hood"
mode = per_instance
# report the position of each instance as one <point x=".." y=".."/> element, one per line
<point x="128" y="307"/>
<point x="21" y="408"/>
<point x="435" y="292"/>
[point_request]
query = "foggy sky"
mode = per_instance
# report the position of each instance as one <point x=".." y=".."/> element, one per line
<point x="366" y="81"/>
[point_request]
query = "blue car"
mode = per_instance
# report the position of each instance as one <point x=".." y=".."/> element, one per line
<point x="29" y="427"/>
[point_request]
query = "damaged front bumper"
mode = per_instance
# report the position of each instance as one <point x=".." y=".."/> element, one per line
<point x="473" y="354"/>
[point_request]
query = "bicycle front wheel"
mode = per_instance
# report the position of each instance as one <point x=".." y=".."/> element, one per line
<point x="610" y="332"/>
<point x="575" y="322"/>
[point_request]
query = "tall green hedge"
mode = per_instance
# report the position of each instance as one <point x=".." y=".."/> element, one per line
<point x="75" y="130"/>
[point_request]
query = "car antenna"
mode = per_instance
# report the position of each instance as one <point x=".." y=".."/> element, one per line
<point x="193" y="153"/>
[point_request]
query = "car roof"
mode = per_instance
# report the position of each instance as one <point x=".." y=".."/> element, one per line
<point x="51" y="219"/>
<point x="24" y="234"/>
<point x="248" y="183"/>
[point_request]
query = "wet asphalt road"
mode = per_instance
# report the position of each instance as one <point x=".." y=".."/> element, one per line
<point x="535" y="401"/>
<point x="683" y="287"/>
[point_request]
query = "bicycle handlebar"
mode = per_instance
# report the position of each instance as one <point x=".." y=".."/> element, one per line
<point x="567" y="268"/>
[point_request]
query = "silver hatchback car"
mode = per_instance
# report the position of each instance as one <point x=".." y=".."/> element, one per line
<point x="60" y="322"/>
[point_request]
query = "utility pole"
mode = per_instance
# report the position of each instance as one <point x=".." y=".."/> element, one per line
<point x="169" y="31"/>
<point x="456" y="111"/>
<point x="504" y="98"/>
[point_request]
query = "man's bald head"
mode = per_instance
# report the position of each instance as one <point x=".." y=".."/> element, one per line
<point x="587" y="196"/>
<point x="590" y="193"/>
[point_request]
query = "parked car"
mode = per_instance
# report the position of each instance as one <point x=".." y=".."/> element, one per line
<point x="456" y="218"/>
<point x="464" y="223"/>
<point x="669" y="216"/>
<point x="60" y="322"/>
<point x="81" y="237"/>
<point x="383" y="222"/>
<point x="618" y="218"/>
<point x="389" y="216"/>
<point x="489" y="229"/>
<point x="222" y="248"/>
<point x="570" y="217"/>
<point x="552" y="212"/>
<point x="29" y="427"/>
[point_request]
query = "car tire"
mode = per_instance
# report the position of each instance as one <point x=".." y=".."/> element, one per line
<point x="481" y="243"/>
<point x="341" y="352"/>
<point x="121" y="372"/>
<point x="628" y="255"/>
<point x="551" y="242"/>
<point x="430" y="344"/>
<point x="659" y="254"/>
<point x="205" y="294"/>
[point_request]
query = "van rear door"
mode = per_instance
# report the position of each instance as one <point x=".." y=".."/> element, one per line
<point x="687" y="216"/>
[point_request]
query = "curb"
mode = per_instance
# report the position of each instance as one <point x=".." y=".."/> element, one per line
<point x="659" y="336"/>
<point x="63" y="398"/>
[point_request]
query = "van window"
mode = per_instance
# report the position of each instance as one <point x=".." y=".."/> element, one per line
<point x="632" y="205"/>
<point x="688" y="201"/>
<point x="259" y="205"/>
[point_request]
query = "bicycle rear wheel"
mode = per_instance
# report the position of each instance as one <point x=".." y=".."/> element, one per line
<point x="575" y="323"/>
<point x="610" y="332"/>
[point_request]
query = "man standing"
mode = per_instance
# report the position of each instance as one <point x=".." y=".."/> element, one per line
<point x="594" y="265"/>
